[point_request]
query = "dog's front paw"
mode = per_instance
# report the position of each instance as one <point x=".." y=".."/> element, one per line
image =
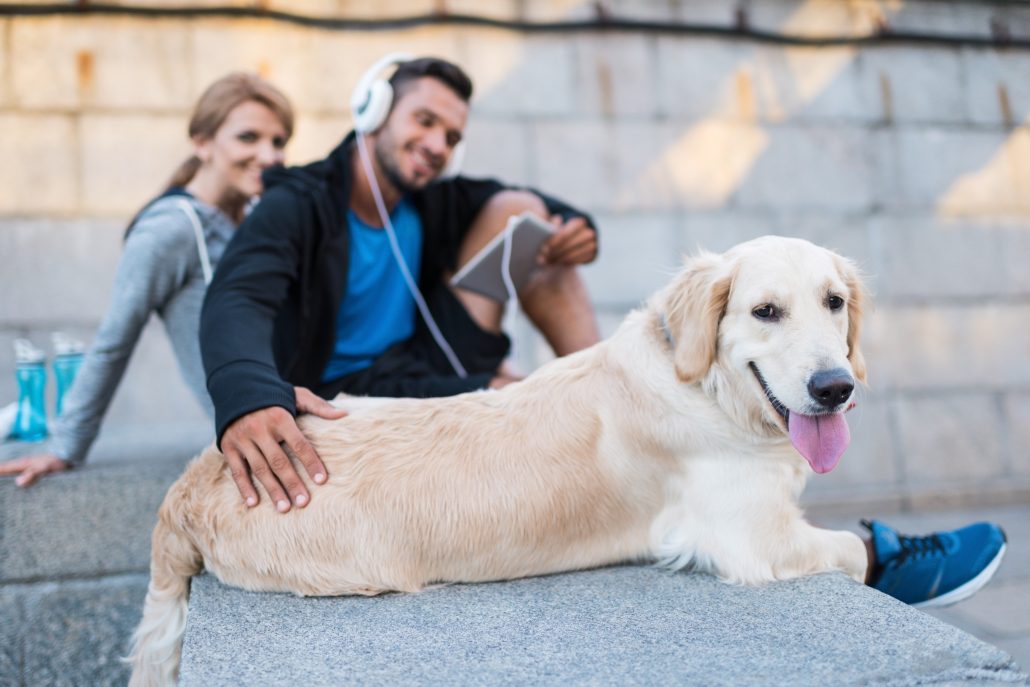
<point x="854" y="557"/>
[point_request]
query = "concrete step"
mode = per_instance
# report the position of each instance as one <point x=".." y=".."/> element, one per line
<point x="75" y="557"/>
<point x="69" y="633"/>
<point x="87" y="522"/>
<point x="615" y="626"/>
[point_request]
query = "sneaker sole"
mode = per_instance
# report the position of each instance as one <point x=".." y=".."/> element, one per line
<point x="969" y="588"/>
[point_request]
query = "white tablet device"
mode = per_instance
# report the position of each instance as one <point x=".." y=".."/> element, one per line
<point x="482" y="273"/>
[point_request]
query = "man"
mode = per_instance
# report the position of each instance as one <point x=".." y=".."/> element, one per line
<point x="276" y="316"/>
<point x="309" y="301"/>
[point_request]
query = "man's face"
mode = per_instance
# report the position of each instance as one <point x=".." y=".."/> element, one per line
<point x="414" y="145"/>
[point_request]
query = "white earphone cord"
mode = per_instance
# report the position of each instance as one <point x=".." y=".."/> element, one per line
<point x="509" y="284"/>
<point x="366" y="164"/>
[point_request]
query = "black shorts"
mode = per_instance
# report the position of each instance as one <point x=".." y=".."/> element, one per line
<point x="418" y="368"/>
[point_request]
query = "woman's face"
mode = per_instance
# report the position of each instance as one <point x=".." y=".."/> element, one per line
<point x="250" y="140"/>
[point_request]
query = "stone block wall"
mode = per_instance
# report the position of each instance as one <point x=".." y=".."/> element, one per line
<point x="911" y="158"/>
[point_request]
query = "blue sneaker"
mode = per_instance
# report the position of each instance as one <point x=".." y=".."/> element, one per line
<point x="936" y="570"/>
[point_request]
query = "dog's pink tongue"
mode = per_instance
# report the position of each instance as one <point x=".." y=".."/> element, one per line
<point x="821" y="439"/>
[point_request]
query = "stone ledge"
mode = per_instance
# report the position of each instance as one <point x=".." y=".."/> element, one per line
<point x="95" y="520"/>
<point x="623" y="625"/>
<point x="71" y="633"/>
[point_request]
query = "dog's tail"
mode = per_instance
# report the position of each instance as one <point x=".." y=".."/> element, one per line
<point x="157" y="642"/>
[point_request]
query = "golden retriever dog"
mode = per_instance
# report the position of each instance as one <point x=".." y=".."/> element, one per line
<point x="685" y="438"/>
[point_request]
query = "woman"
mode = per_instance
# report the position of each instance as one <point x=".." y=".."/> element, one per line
<point x="239" y="128"/>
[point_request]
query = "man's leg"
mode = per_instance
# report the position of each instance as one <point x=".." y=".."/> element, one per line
<point x="555" y="300"/>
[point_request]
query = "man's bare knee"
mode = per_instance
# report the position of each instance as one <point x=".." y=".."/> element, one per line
<point x="507" y="203"/>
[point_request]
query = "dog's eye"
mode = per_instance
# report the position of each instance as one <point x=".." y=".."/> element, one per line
<point x="835" y="302"/>
<point x="767" y="312"/>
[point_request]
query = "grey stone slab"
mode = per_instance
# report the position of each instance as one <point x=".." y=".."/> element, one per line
<point x="810" y="168"/>
<point x="997" y="87"/>
<point x="1016" y="251"/>
<point x="498" y="148"/>
<point x="5" y="88"/>
<point x="1017" y="417"/>
<point x="944" y="18"/>
<point x="806" y="84"/>
<point x="620" y="165"/>
<point x="923" y="84"/>
<point x="848" y="235"/>
<point x="1018" y="648"/>
<point x="638" y="256"/>
<point x="75" y="633"/>
<point x="923" y="347"/>
<point x="57" y="269"/>
<point x="922" y="256"/>
<point x="950" y="438"/>
<point x="48" y="71"/>
<point x="929" y="167"/>
<point x="92" y="521"/>
<point x="615" y="75"/>
<point x="701" y="77"/>
<point x="532" y="76"/>
<point x="1003" y="609"/>
<point x="624" y="625"/>
<point x="11" y="641"/>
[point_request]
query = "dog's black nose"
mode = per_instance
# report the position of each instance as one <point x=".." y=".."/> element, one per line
<point x="831" y="387"/>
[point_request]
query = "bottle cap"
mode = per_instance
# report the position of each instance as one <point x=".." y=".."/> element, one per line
<point x="25" y="352"/>
<point x="66" y="345"/>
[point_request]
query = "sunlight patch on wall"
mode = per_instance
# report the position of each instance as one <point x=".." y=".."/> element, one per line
<point x="713" y="157"/>
<point x="1000" y="189"/>
<point x="708" y="162"/>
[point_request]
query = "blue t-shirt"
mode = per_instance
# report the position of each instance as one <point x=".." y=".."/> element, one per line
<point x="377" y="310"/>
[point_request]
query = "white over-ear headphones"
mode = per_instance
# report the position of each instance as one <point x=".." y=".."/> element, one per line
<point x="372" y="98"/>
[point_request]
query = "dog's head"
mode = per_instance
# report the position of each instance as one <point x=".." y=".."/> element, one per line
<point x="771" y="327"/>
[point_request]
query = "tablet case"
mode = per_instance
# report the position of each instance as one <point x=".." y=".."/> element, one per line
<point x="482" y="274"/>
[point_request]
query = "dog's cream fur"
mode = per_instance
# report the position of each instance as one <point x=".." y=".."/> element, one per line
<point x="657" y="444"/>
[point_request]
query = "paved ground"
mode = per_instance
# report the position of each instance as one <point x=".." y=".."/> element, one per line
<point x="1000" y="613"/>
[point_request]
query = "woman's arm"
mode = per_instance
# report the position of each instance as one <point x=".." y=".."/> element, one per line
<point x="160" y="256"/>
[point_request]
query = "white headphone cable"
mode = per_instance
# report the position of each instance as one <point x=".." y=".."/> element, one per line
<point x="366" y="164"/>
<point x="509" y="285"/>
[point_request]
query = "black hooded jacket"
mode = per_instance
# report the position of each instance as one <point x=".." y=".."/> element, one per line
<point x="269" y="317"/>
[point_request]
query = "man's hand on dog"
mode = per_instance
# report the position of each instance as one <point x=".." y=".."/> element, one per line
<point x="254" y="446"/>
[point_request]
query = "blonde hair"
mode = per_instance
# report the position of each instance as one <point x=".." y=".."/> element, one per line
<point x="218" y="101"/>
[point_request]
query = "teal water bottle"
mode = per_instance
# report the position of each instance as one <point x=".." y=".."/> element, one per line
<point x="67" y="361"/>
<point x="30" y="423"/>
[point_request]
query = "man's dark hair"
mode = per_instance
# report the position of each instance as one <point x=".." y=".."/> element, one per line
<point x="448" y="73"/>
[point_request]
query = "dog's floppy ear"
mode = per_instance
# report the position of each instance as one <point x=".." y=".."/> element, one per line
<point x="856" y="306"/>
<point x="695" y="303"/>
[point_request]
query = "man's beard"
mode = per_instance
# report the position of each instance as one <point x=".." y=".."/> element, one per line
<point x="388" y="163"/>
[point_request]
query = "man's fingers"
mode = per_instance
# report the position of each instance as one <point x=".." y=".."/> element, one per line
<point x="306" y="454"/>
<point x="263" y="473"/>
<point x="310" y="402"/>
<point x="283" y="471"/>
<point x="573" y="233"/>
<point x="241" y="476"/>
<point x="555" y="245"/>
<point x="581" y="248"/>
